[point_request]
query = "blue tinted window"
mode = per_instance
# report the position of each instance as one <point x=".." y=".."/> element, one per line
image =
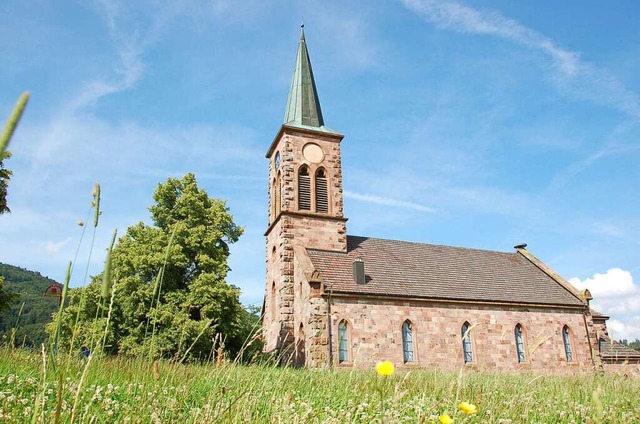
<point x="343" y="342"/>
<point x="407" y="341"/>
<point x="519" y="343"/>
<point x="466" y="343"/>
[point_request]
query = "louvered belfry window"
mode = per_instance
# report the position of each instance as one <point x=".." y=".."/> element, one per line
<point x="304" y="189"/>
<point x="322" y="201"/>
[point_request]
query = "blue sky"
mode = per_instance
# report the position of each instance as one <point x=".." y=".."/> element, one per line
<point x="481" y="124"/>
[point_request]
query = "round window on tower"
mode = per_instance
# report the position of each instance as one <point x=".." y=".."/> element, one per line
<point x="313" y="153"/>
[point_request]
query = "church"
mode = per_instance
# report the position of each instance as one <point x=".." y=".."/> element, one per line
<point x="337" y="300"/>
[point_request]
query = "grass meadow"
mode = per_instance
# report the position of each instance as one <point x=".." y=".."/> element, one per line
<point x="117" y="389"/>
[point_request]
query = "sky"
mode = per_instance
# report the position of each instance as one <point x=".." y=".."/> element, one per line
<point x="481" y="124"/>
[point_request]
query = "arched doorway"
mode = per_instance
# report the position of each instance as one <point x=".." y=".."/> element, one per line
<point x="300" y="347"/>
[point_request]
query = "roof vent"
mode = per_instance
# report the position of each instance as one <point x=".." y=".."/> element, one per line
<point x="358" y="271"/>
<point x="520" y="246"/>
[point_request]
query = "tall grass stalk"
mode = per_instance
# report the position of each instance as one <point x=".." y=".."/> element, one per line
<point x="39" y="403"/>
<point x="14" y="330"/>
<point x="13" y="120"/>
<point x="204" y="328"/>
<point x="105" y="290"/>
<point x="79" y="387"/>
<point x="157" y="290"/>
<point x="96" y="214"/>
<point x="95" y="207"/>
<point x="106" y="325"/>
<point x="63" y="299"/>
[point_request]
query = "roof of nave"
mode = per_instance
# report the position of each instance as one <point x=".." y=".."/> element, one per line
<point x="611" y="349"/>
<point x="427" y="271"/>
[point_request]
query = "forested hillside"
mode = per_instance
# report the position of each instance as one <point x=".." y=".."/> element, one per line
<point x="36" y="308"/>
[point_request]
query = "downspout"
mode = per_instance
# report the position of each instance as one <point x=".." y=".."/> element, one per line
<point x="330" y="344"/>
<point x="586" y="297"/>
<point x="586" y="327"/>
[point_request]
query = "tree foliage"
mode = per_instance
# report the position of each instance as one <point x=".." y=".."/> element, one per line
<point x="5" y="174"/>
<point x="169" y="293"/>
<point x="30" y="310"/>
<point x="633" y="344"/>
<point x="6" y="297"/>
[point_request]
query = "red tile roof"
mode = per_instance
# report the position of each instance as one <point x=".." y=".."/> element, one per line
<point x="612" y="350"/>
<point x="427" y="271"/>
<point x="598" y="314"/>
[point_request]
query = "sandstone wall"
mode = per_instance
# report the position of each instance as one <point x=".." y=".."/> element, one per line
<point x="623" y="369"/>
<point x="376" y="334"/>
<point x="285" y="310"/>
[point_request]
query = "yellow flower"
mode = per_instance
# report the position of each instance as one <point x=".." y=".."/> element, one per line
<point x="468" y="408"/>
<point x="445" y="419"/>
<point x="385" y="368"/>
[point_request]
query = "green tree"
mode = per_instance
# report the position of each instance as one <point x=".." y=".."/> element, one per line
<point x="170" y="295"/>
<point x="251" y="335"/>
<point x="30" y="309"/>
<point x="5" y="174"/>
<point x="6" y="298"/>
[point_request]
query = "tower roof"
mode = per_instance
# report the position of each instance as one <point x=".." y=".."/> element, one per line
<point x="303" y="105"/>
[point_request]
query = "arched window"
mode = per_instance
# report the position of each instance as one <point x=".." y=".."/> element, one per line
<point x="519" y="343"/>
<point x="273" y="199"/>
<point x="407" y="341"/>
<point x="273" y="301"/>
<point x="566" y="338"/>
<point x="304" y="189"/>
<point x="322" y="199"/>
<point x="467" y="349"/>
<point x="300" y="347"/>
<point x="278" y="196"/>
<point x="343" y="342"/>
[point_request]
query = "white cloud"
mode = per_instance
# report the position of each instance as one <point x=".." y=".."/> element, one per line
<point x="629" y="330"/>
<point x="53" y="247"/>
<point x="574" y="76"/>
<point x="615" y="282"/>
<point x="615" y="294"/>
<point x="388" y="201"/>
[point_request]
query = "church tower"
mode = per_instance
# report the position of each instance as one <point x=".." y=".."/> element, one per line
<point x="305" y="203"/>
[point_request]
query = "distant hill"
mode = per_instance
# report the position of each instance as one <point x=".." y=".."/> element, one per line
<point x="37" y="309"/>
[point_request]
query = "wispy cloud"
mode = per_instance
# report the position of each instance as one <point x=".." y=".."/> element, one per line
<point x="573" y="76"/>
<point x="130" y="149"/>
<point x="386" y="201"/>
<point x="53" y="247"/>
<point x="625" y="231"/>
<point x="616" y="144"/>
<point x="127" y="70"/>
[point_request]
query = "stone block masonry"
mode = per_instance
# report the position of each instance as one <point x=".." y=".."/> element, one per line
<point x="375" y="327"/>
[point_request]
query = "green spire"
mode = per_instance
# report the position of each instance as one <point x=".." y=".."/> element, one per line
<point x="303" y="105"/>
